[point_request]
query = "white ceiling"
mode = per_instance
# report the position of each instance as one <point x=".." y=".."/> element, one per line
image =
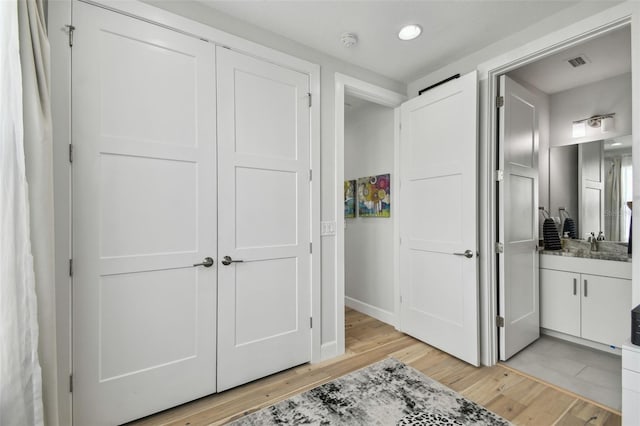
<point x="608" y="56"/>
<point x="452" y="29"/>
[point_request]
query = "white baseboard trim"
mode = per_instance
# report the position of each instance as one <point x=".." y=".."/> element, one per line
<point x="372" y="311"/>
<point x="329" y="350"/>
<point x="583" y="342"/>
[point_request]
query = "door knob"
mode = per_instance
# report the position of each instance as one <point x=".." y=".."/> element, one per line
<point x="467" y="253"/>
<point x="227" y="260"/>
<point x="207" y="262"/>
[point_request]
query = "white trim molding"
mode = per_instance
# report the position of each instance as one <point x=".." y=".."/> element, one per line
<point x="345" y="84"/>
<point x="387" y="317"/>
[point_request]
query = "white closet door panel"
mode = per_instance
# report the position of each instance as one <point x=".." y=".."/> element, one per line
<point x="264" y="310"/>
<point x="144" y="211"/>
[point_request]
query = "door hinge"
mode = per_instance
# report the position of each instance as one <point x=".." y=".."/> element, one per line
<point x="70" y="383"/>
<point x="70" y="267"/>
<point x="499" y="175"/>
<point x="71" y="28"/>
<point x="70" y="153"/>
<point x="310" y="247"/>
<point x="310" y="175"/>
<point x="310" y="101"/>
<point x="310" y="322"/>
<point x="499" y="248"/>
<point x="499" y="321"/>
<point x="500" y="101"/>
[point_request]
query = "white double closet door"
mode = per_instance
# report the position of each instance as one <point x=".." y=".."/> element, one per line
<point x="158" y="189"/>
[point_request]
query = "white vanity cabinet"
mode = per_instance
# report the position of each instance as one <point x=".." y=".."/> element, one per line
<point x="560" y="301"/>
<point x="606" y="309"/>
<point x="586" y="298"/>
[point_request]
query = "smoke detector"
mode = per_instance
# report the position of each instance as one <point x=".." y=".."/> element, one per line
<point x="349" y="39"/>
<point x="578" y="61"/>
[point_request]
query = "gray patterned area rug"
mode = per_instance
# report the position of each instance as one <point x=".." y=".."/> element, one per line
<point x="386" y="393"/>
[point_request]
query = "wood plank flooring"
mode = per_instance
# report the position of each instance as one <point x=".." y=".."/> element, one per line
<point x="514" y="396"/>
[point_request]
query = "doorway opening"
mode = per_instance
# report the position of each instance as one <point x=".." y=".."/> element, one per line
<point x="367" y="146"/>
<point x="370" y="185"/>
<point x="563" y="272"/>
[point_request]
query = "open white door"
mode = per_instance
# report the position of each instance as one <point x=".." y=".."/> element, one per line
<point x="438" y="226"/>
<point x="591" y="178"/>
<point x="144" y="212"/>
<point x="518" y="290"/>
<point x="264" y="294"/>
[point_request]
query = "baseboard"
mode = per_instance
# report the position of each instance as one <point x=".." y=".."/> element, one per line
<point x="583" y="342"/>
<point x="372" y="311"/>
<point x="328" y="350"/>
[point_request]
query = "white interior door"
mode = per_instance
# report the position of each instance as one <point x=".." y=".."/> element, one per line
<point x="264" y="294"/>
<point x="591" y="176"/>
<point x="144" y="211"/>
<point x="518" y="290"/>
<point x="438" y="226"/>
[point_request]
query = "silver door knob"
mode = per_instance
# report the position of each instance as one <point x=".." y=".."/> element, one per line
<point x="207" y="262"/>
<point x="227" y="260"/>
<point x="467" y="253"/>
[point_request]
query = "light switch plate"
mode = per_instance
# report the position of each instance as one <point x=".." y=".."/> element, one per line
<point x="328" y="228"/>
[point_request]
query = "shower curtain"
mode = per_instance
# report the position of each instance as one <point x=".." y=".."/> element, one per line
<point x="613" y="196"/>
<point x="618" y="190"/>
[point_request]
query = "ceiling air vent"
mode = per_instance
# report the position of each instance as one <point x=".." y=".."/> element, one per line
<point x="577" y="61"/>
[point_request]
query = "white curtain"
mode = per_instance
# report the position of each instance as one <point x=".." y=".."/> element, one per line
<point x="38" y="149"/>
<point x="20" y="376"/>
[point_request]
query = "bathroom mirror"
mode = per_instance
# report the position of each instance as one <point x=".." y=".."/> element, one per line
<point x="592" y="181"/>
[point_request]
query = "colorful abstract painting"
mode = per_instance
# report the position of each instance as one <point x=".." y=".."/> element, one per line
<point x="349" y="198"/>
<point x="374" y="196"/>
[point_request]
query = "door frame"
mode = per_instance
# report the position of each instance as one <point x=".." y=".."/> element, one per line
<point x="586" y="29"/>
<point x="60" y="14"/>
<point x="347" y="85"/>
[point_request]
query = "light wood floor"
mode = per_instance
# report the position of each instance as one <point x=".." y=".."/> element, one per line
<point x="514" y="396"/>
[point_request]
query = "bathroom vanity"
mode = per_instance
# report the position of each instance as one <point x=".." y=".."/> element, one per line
<point x="585" y="295"/>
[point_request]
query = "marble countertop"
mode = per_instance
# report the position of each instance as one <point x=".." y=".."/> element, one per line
<point x="606" y="250"/>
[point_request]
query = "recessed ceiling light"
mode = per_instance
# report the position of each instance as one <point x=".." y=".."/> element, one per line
<point x="616" y="144"/>
<point x="409" y="32"/>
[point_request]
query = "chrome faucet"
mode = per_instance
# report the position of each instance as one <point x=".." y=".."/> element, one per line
<point x="594" y="242"/>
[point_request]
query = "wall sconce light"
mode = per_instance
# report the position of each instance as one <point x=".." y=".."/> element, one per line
<point x="579" y="129"/>
<point x="604" y="121"/>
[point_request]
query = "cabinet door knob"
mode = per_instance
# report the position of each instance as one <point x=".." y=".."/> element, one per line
<point x="575" y="286"/>
<point x="585" y="288"/>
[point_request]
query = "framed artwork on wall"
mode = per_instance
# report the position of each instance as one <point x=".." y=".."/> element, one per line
<point x="349" y="198"/>
<point x="374" y="196"/>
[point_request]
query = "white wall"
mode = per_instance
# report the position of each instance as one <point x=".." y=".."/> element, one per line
<point x="602" y="97"/>
<point x="368" y="151"/>
<point x="329" y="66"/>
